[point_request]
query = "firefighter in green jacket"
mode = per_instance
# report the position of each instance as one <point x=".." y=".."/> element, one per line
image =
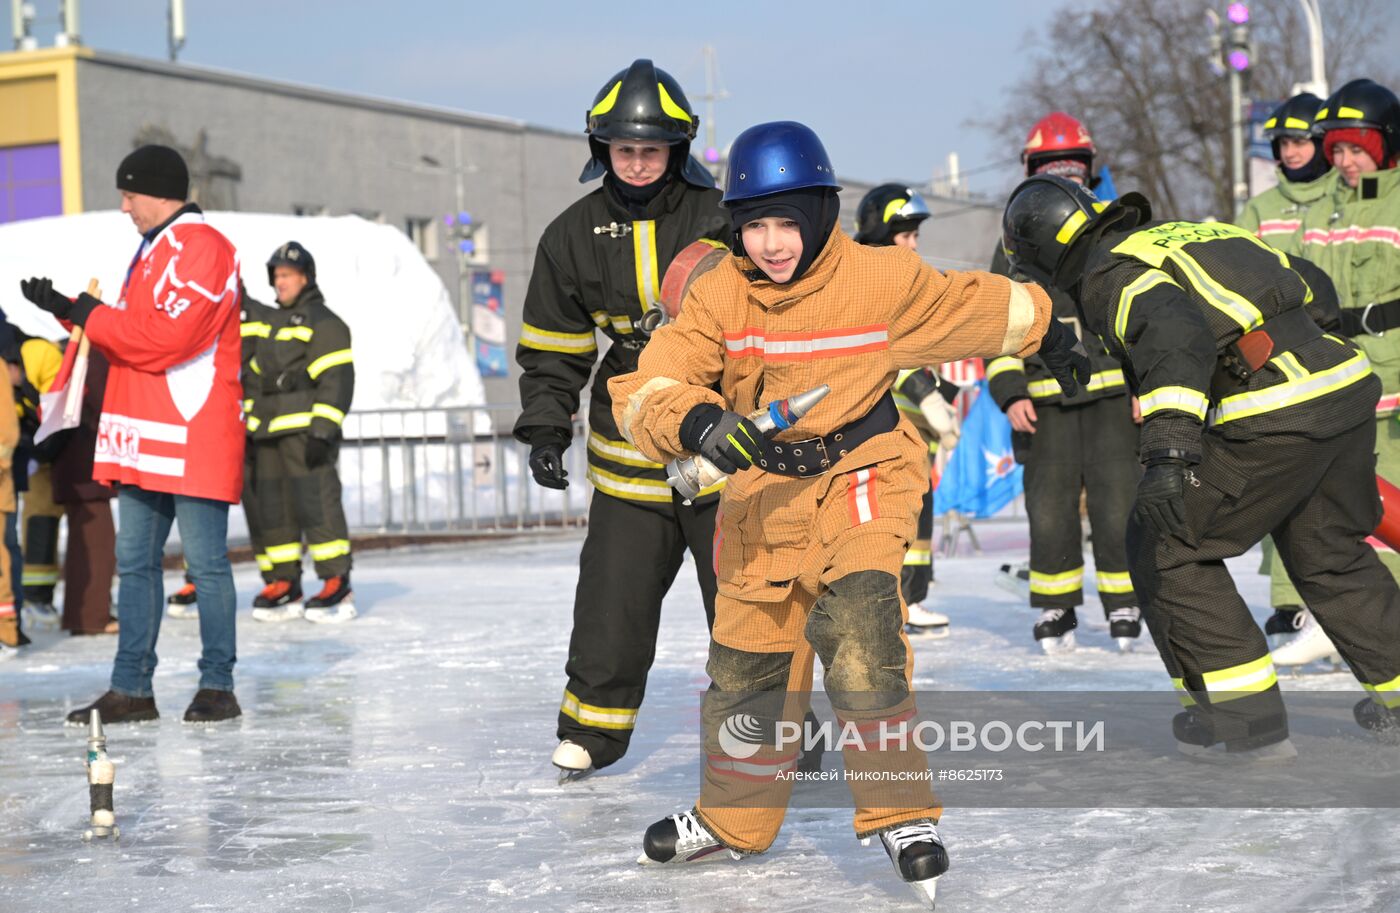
<point x="598" y="269"/>
<point x="298" y="385"/>
<point x="1276" y="216"/>
<point x="1355" y="238"/>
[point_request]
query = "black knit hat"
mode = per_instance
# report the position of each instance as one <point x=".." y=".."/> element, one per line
<point x="156" y="171"/>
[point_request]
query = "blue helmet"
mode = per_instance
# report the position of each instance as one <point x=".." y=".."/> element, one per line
<point x="775" y="158"/>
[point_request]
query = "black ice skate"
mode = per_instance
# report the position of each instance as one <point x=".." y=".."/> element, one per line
<point x="681" y="838"/>
<point x="1015" y="579"/>
<point x="1195" y="740"/>
<point x="1054" y="630"/>
<point x="1371" y="715"/>
<point x="280" y="600"/>
<point x="1125" y="626"/>
<point x="918" y="856"/>
<point x="182" y="604"/>
<point x="334" y="604"/>
<point x="573" y="760"/>
<point x="1286" y="621"/>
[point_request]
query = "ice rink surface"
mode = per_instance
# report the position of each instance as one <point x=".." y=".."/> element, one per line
<point x="401" y="763"/>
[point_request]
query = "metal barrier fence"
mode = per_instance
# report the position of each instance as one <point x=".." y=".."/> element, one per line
<point x="448" y="471"/>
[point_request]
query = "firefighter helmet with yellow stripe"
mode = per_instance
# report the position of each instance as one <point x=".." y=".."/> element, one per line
<point x="643" y="104"/>
<point x="1293" y="118"/>
<point x="1046" y="217"/>
<point x="1363" y="104"/>
<point x="886" y="211"/>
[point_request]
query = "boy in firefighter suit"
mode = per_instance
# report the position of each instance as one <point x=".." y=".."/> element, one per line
<point x="1276" y="216"/>
<point x="891" y="214"/>
<point x="812" y="536"/>
<point x="599" y="268"/>
<point x="1216" y="328"/>
<point x="298" y="384"/>
<point x="1086" y="443"/>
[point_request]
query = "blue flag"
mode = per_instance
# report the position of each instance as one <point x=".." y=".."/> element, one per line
<point x="982" y="476"/>
<point x="1104" y="189"/>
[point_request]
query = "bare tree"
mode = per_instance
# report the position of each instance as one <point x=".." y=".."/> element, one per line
<point x="1138" y="73"/>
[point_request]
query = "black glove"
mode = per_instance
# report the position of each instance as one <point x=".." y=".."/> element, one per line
<point x="318" y="452"/>
<point x="1161" y="497"/>
<point x="1065" y="357"/>
<point x="41" y="292"/>
<point x="727" y="439"/>
<point x="547" y="465"/>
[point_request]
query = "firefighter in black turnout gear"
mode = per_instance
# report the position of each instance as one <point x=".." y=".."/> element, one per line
<point x="890" y="215"/>
<point x="1256" y="420"/>
<point x="598" y="269"/>
<point x="1086" y="443"/>
<point x="298" y="381"/>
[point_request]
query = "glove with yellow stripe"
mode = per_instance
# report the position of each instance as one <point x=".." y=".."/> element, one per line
<point x="1064" y="355"/>
<point x="727" y="439"/>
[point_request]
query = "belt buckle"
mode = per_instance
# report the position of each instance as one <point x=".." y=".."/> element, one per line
<point x="1366" y="313"/>
<point x="826" y="457"/>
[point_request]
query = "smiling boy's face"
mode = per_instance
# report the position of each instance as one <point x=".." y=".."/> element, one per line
<point x="774" y="244"/>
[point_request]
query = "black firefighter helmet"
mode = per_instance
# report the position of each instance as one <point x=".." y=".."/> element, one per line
<point x="643" y="104"/>
<point x="886" y="211"/>
<point x="294" y="255"/>
<point x="1047" y="215"/>
<point x="1363" y="103"/>
<point x="1293" y="118"/>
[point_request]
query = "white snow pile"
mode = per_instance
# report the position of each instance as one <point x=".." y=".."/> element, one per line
<point x="409" y="349"/>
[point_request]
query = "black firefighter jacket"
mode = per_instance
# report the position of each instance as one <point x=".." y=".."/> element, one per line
<point x="598" y="269"/>
<point x="298" y="375"/>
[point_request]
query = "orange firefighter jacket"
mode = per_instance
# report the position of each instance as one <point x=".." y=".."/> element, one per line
<point x="853" y="321"/>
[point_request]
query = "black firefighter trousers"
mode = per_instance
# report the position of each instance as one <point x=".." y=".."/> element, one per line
<point x="630" y="558"/>
<point x="1318" y="498"/>
<point x="1094" y="448"/>
<point x="285" y="501"/>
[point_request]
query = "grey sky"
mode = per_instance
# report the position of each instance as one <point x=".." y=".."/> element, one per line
<point x="889" y="86"/>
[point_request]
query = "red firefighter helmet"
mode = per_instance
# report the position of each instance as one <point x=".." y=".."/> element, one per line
<point x="1057" y="136"/>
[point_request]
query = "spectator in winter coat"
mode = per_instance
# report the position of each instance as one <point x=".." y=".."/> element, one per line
<point x="171" y="432"/>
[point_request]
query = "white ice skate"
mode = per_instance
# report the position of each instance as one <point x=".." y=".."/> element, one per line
<point x="1310" y="645"/>
<point x="573" y="760"/>
<point x="40" y="615"/>
<point x="927" y="622"/>
<point x="1276" y="752"/>
<point x="289" y="612"/>
<point x="918" y="855"/>
<point x="335" y="603"/>
<point x="183" y="611"/>
<point x="1054" y="630"/>
<point x="8" y="652"/>
<point x="1015" y="579"/>
<point x="681" y="838"/>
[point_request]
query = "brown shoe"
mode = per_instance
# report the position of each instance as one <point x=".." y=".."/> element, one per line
<point x="117" y="708"/>
<point x="210" y="706"/>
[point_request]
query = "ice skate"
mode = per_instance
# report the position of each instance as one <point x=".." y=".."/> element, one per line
<point x="573" y="760"/>
<point x="1286" y="621"/>
<point x="1373" y="716"/>
<point x="1054" y="630"/>
<point x="40" y="615"/>
<point x="681" y="838"/>
<point x="1125" y="627"/>
<point x="927" y="622"/>
<point x="334" y="604"/>
<point x="809" y="758"/>
<point x="918" y="856"/>
<point x="181" y="603"/>
<point x="8" y="652"/>
<point x="1193" y="739"/>
<point x="1309" y="645"/>
<point x="280" y="600"/>
<point x="1015" y="579"/>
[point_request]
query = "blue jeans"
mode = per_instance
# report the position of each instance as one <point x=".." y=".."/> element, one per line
<point x="145" y="518"/>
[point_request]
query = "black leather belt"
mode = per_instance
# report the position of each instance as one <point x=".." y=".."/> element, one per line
<point x="1373" y="319"/>
<point x="811" y="457"/>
